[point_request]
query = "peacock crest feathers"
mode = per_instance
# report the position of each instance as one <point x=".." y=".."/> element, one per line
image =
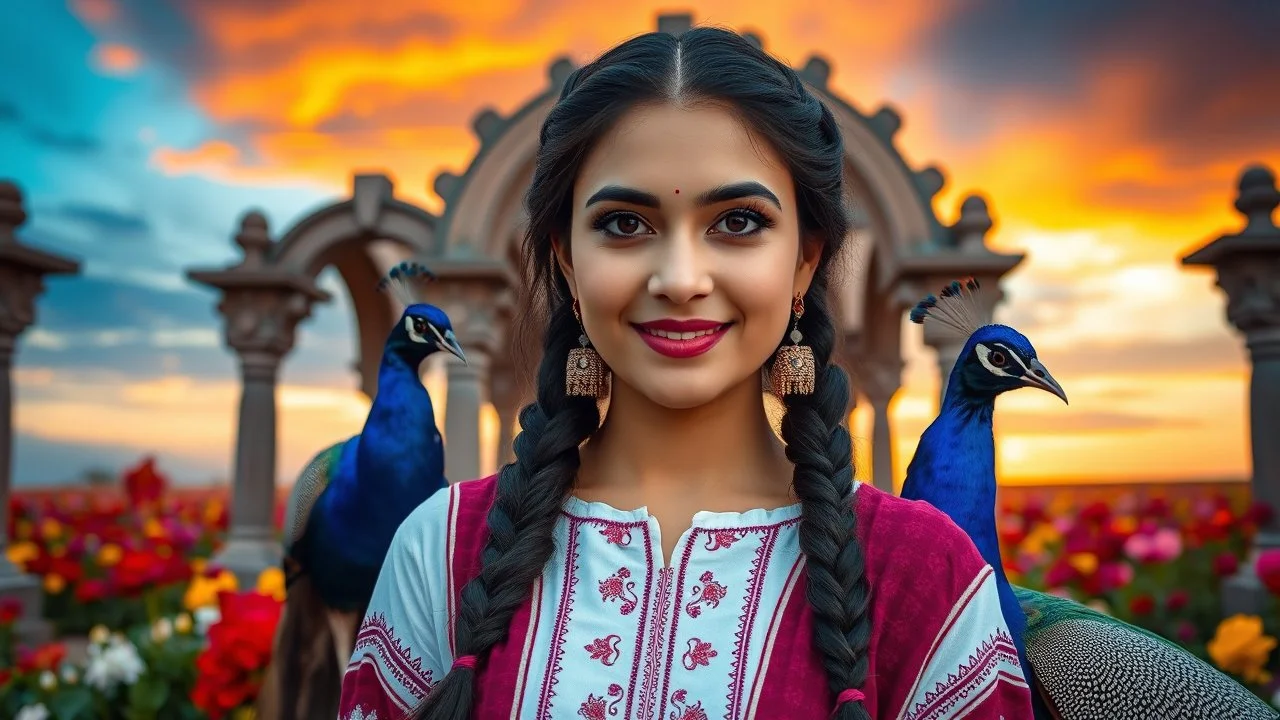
<point x="405" y="281"/>
<point x="955" y="307"/>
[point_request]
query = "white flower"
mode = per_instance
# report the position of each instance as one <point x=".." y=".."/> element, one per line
<point x="99" y="635"/>
<point x="48" y="680"/>
<point x="205" y="617"/>
<point x="117" y="662"/>
<point x="162" y="630"/>
<point x="33" y="712"/>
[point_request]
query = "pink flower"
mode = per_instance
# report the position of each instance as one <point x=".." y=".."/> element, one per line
<point x="1114" y="575"/>
<point x="1166" y="544"/>
<point x="1268" y="569"/>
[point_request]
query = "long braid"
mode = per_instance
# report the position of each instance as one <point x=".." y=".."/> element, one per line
<point x="529" y="495"/>
<point x="818" y="443"/>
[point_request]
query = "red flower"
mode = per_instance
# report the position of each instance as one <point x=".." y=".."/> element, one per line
<point x="1177" y="600"/>
<point x="92" y="590"/>
<point x="45" y="657"/>
<point x="1259" y="514"/>
<point x="1268" y="569"/>
<point x="1225" y="564"/>
<point x="10" y="611"/>
<point x="1142" y="604"/>
<point x="239" y="649"/>
<point x="143" y="483"/>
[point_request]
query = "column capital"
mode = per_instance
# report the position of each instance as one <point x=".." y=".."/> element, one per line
<point x="478" y="294"/>
<point x="22" y="267"/>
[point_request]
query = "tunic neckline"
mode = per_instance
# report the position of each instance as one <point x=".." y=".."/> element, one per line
<point x="702" y="519"/>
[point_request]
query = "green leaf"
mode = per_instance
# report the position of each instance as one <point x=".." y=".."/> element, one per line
<point x="71" y="703"/>
<point x="148" y="694"/>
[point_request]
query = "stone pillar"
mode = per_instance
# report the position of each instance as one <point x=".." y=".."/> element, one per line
<point x="22" y="270"/>
<point x="475" y="291"/>
<point x="468" y="391"/>
<point x="1248" y="268"/>
<point x="506" y="400"/>
<point x="262" y="305"/>
<point x="880" y="379"/>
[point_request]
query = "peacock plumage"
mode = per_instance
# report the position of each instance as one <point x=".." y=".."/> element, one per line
<point x="1082" y="664"/>
<point x="353" y="495"/>
<point x="347" y="504"/>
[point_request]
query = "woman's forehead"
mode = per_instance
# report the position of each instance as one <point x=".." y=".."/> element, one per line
<point x="664" y="148"/>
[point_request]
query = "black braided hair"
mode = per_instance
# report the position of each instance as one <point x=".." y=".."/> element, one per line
<point x="714" y="64"/>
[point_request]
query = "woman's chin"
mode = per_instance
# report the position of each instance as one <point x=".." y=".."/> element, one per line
<point x="684" y="393"/>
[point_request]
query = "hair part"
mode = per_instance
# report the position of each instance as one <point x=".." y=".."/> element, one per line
<point x="703" y="64"/>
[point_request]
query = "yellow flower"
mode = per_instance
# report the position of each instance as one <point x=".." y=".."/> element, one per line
<point x="212" y="511"/>
<point x="54" y="583"/>
<point x="50" y="529"/>
<point x="1240" y="647"/>
<point x="22" y="553"/>
<point x="1084" y="562"/>
<point x="1124" y="525"/>
<point x="271" y="582"/>
<point x="99" y="635"/>
<point x="109" y="555"/>
<point x="182" y="624"/>
<point x="153" y="529"/>
<point x="245" y="713"/>
<point x="1042" y="535"/>
<point x="198" y="565"/>
<point x="203" y="591"/>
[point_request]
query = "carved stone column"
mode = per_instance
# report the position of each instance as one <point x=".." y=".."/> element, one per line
<point x="880" y="379"/>
<point x="965" y="254"/>
<point x="505" y="395"/>
<point x="1248" y="267"/>
<point x="22" y="271"/>
<point x="475" y="292"/>
<point x="262" y="306"/>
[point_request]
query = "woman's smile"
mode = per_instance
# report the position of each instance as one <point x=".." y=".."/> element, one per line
<point x="681" y="338"/>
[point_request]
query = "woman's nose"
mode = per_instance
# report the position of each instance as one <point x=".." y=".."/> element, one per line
<point x="681" y="271"/>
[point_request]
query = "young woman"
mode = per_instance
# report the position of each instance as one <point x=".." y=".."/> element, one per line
<point x="677" y="561"/>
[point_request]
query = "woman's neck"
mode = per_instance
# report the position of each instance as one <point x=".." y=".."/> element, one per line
<point x="720" y="456"/>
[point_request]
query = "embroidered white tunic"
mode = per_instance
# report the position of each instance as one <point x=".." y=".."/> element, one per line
<point x="612" y="629"/>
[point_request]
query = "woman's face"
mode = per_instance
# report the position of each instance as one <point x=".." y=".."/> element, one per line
<point x="685" y="252"/>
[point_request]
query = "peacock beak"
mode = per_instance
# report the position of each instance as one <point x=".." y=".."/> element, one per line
<point x="1039" y="377"/>
<point x="451" y="344"/>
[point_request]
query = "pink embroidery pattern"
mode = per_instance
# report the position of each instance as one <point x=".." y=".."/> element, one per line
<point x="605" y="649"/>
<point x="699" y="654"/>
<point x="750" y="609"/>
<point x="721" y="539"/>
<point x="379" y="642"/>
<point x="657" y="634"/>
<point x="984" y="666"/>
<point x="597" y="708"/>
<point x="618" y="587"/>
<point x="561" y="624"/>
<point x="617" y="534"/>
<point x="708" y="594"/>
<point x="683" y="710"/>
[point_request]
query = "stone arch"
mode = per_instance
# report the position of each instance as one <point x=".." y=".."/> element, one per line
<point x="340" y="235"/>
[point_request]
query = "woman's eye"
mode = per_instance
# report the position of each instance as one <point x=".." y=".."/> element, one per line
<point x="738" y="223"/>
<point x="624" y="226"/>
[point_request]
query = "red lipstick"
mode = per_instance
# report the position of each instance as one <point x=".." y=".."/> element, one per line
<point x="681" y="338"/>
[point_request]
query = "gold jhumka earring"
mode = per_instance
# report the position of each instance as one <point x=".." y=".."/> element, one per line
<point x="793" y="371"/>
<point x="585" y="374"/>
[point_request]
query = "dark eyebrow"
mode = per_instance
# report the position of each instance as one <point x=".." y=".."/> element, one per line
<point x="724" y="193"/>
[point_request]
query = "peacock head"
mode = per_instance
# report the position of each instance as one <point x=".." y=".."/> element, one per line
<point x="423" y="329"/>
<point x="996" y="358"/>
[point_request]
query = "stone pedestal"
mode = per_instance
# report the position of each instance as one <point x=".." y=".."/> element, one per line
<point x="1248" y="268"/>
<point x="475" y="292"/>
<point x="22" y="272"/>
<point x="263" y="305"/>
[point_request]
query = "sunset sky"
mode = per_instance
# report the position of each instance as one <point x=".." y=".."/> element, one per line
<point x="1107" y="137"/>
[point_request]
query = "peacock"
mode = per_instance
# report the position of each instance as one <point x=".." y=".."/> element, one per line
<point x="1081" y="664"/>
<point x="351" y="498"/>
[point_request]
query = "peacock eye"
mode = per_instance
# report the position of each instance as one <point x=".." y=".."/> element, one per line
<point x="420" y="326"/>
<point x="997" y="358"/>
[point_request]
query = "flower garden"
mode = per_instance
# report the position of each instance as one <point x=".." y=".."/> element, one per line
<point x="169" y="635"/>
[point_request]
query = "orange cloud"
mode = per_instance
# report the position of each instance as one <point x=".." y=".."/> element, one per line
<point x="95" y="12"/>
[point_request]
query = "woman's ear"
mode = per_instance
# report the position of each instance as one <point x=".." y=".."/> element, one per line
<point x="807" y="263"/>
<point x="565" y="260"/>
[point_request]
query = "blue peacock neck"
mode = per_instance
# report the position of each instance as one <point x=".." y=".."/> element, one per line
<point x="965" y="429"/>
<point x="399" y="436"/>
